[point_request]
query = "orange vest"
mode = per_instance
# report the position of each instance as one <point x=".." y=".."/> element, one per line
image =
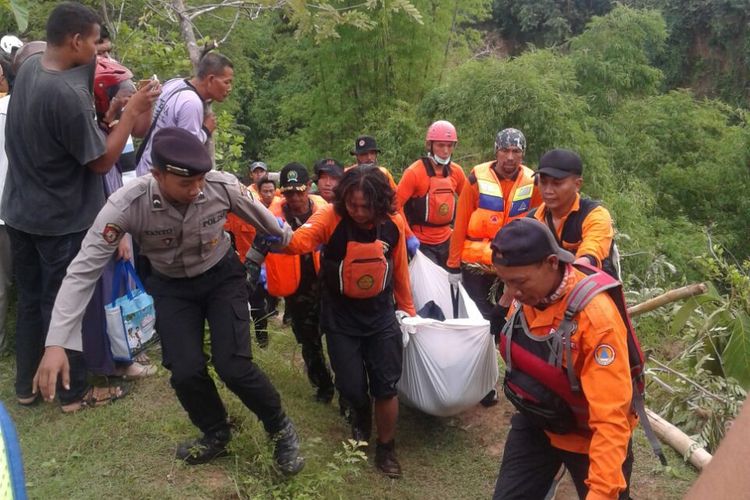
<point x="283" y="271"/>
<point x="493" y="211"/>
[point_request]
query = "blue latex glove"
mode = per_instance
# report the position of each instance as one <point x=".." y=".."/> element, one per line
<point x="412" y="245"/>
<point x="272" y="240"/>
<point x="263" y="278"/>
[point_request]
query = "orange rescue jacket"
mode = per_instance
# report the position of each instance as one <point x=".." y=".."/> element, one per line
<point x="483" y="209"/>
<point x="427" y="198"/>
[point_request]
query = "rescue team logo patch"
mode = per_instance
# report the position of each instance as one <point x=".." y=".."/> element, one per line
<point x="111" y="233"/>
<point x="365" y="282"/>
<point x="604" y="355"/>
<point x="494" y="219"/>
<point x="443" y="209"/>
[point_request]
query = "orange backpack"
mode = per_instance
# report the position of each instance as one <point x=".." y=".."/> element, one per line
<point x="438" y="206"/>
<point x="363" y="272"/>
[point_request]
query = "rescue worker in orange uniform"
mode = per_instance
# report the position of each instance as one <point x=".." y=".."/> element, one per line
<point x="540" y="277"/>
<point x="427" y="192"/>
<point x="582" y="226"/>
<point x="498" y="192"/>
<point x="365" y="278"/>
<point x="327" y="174"/>
<point x="295" y="277"/>
<point x="366" y="152"/>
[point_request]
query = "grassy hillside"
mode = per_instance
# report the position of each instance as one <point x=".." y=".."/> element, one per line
<point x="125" y="450"/>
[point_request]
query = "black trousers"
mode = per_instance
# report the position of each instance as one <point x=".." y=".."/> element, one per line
<point x="183" y="305"/>
<point x="39" y="264"/>
<point x="367" y="365"/>
<point x="304" y="309"/>
<point x="437" y="253"/>
<point x="530" y="463"/>
<point x="478" y="286"/>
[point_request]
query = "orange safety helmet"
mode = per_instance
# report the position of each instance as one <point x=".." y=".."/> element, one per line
<point x="109" y="73"/>
<point x="442" y="130"/>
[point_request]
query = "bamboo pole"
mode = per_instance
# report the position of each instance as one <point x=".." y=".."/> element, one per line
<point x="667" y="298"/>
<point x="678" y="440"/>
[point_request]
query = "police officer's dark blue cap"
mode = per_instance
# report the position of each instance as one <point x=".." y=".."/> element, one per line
<point x="526" y="241"/>
<point x="179" y="152"/>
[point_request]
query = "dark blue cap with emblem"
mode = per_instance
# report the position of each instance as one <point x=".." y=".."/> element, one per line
<point x="179" y="152"/>
<point x="363" y="144"/>
<point x="293" y="177"/>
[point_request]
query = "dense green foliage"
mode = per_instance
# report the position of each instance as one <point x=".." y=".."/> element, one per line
<point x="706" y="46"/>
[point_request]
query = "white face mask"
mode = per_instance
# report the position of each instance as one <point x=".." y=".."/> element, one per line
<point x="440" y="161"/>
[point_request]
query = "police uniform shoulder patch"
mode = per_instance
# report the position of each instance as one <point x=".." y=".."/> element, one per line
<point x="604" y="355"/>
<point x="112" y="233"/>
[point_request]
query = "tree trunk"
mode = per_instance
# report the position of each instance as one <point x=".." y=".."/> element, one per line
<point x="187" y="33"/>
<point x="667" y="298"/>
<point x="678" y="440"/>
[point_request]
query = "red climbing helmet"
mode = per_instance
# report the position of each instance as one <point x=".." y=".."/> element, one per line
<point x="442" y="130"/>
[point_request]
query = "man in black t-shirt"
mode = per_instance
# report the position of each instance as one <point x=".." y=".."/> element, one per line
<point x="53" y="191"/>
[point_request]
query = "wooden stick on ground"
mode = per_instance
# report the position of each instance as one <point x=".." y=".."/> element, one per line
<point x="678" y="440"/>
<point x="667" y="298"/>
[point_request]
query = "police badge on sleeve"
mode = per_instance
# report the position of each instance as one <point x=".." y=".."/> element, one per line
<point x="112" y="233"/>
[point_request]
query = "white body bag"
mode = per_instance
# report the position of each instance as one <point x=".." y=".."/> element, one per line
<point x="448" y="366"/>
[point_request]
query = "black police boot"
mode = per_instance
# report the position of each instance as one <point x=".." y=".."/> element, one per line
<point x="386" y="461"/>
<point x="490" y="399"/>
<point x="286" y="449"/>
<point x="362" y="423"/>
<point x="204" y="449"/>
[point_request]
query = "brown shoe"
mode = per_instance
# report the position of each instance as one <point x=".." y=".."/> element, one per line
<point x="386" y="461"/>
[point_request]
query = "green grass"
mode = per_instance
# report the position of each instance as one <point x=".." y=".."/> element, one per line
<point x="125" y="450"/>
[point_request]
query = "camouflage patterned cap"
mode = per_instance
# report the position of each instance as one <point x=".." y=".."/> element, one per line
<point x="510" y="137"/>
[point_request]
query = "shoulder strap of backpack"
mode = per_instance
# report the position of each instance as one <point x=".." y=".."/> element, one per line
<point x="583" y="292"/>
<point x="159" y="110"/>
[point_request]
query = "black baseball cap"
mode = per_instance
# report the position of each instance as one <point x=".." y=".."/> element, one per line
<point x="293" y="177"/>
<point x="526" y="241"/>
<point x="363" y="144"/>
<point x="560" y="163"/>
<point x="328" y="166"/>
<point x="179" y="152"/>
